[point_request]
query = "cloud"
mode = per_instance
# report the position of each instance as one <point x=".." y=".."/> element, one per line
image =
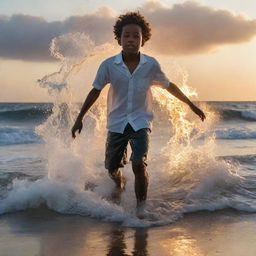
<point x="28" y="37"/>
<point x="186" y="28"/>
<point x="191" y="28"/>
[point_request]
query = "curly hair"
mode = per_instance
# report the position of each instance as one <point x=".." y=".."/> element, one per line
<point x="132" y="18"/>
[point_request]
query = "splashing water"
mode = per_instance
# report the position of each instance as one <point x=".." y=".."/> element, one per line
<point x="184" y="173"/>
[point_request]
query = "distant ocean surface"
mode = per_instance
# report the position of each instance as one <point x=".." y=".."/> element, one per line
<point x="18" y="121"/>
<point x="23" y="159"/>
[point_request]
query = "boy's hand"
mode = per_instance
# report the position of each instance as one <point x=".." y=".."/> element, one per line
<point x="77" y="126"/>
<point x="198" y="111"/>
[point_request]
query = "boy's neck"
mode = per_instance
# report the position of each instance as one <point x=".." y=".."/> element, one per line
<point x="131" y="57"/>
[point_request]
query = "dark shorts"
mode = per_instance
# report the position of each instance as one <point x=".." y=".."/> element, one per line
<point x="116" y="147"/>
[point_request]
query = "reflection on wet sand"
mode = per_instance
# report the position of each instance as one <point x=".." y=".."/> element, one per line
<point x="118" y="247"/>
<point x="140" y="242"/>
<point x="117" y="244"/>
<point x="181" y="246"/>
<point x="45" y="233"/>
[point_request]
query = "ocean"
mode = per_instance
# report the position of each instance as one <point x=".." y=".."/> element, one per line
<point x="193" y="166"/>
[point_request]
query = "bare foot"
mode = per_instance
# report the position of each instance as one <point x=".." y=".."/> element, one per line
<point x="140" y="211"/>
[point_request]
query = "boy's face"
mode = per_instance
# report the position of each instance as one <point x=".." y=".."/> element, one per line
<point x="131" y="38"/>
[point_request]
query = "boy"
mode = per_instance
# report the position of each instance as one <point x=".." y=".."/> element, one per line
<point x="130" y="75"/>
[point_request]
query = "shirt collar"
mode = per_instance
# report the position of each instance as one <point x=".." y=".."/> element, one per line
<point x="119" y="59"/>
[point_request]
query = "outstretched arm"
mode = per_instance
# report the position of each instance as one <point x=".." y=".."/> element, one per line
<point x="89" y="101"/>
<point x="175" y="91"/>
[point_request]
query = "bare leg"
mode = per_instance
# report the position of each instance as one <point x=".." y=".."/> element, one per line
<point x="117" y="177"/>
<point x="141" y="181"/>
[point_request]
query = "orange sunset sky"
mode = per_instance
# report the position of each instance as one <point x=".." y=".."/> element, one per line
<point x="213" y="40"/>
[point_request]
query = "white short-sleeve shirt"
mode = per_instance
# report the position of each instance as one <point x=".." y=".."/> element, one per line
<point x="129" y="95"/>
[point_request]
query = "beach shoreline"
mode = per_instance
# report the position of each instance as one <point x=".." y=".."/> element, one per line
<point x="44" y="232"/>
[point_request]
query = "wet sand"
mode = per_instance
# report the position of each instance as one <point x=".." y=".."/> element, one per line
<point x="43" y="232"/>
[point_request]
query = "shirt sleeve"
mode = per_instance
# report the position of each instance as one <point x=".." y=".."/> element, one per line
<point x="159" y="77"/>
<point x="102" y="77"/>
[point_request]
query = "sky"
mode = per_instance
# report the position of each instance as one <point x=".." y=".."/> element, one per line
<point x="213" y="41"/>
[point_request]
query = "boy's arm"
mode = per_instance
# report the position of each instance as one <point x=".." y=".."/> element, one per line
<point x="175" y="91"/>
<point x="89" y="101"/>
